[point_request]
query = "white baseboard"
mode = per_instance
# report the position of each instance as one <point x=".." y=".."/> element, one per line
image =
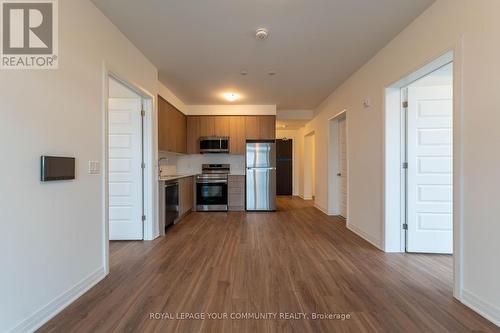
<point x="485" y="309"/>
<point x="323" y="210"/>
<point x="372" y="240"/>
<point x="40" y="317"/>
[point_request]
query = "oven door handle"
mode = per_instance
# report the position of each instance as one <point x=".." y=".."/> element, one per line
<point x="211" y="182"/>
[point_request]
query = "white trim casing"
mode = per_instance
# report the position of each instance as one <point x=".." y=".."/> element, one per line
<point x="151" y="226"/>
<point x="322" y="209"/>
<point x="392" y="235"/>
<point x="333" y="183"/>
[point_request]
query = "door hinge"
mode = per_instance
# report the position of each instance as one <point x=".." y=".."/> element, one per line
<point x="405" y="165"/>
<point x="143" y="218"/>
<point x="405" y="226"/>
<point x="143" y="165"/>
<point x="405" y="105"/>
<point x="143" y="113"/>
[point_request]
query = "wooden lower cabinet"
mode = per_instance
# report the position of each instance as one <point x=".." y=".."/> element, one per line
<point x="236" y="193"/>
<point x="186" y="195"/>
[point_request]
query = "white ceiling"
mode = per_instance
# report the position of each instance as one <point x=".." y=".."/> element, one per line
<point x="200" y="47"/>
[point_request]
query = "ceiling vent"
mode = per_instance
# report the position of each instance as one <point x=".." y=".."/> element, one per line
<point x="261" y="34"/>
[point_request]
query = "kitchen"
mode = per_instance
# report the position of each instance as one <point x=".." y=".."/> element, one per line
<point x="214" y="163"/>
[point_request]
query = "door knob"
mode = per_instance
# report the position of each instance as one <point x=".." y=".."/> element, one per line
<point x="339" y="174"/>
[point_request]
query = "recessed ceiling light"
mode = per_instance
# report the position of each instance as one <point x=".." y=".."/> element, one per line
<point x="231" y="97"/>
<point x="261" y="33"/>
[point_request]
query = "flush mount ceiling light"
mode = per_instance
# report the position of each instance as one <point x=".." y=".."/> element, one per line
<point x="231" y="97"/>
<point x="244" y="72"/>
<point x="261" y="33"/>
<point x="271" y="73"/>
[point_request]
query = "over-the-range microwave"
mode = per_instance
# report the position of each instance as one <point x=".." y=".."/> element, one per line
<point x="214" y="145"/>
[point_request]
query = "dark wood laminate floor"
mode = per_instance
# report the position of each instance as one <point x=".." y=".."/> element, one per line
<point x="296" y="260"/>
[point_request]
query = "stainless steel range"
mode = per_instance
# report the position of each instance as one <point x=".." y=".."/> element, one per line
<point x="211" y="188"/>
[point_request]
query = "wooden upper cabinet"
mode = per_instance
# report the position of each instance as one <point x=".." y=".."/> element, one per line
<point x="260" y="127"/>
<point x="162" y="126"/>
<point x="193" y="135"/>
<point x="181" y="132"/>
<point x="221" y="125"/>
<point x="237" y="137"/>
<point x="252" y="128"/>
<point x="172" y="128"/>
<point x="206" y="126"/>
<point x="267" y="127"/>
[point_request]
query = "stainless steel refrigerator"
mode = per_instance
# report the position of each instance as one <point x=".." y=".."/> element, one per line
<point x="261" y="175"/>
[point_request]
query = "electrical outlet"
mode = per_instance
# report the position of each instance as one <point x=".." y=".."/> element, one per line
<point x="94" y="168"/>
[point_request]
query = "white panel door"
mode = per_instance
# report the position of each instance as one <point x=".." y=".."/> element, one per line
<point x="342" y="167"/>
<point x="125" y="172"/>
<point x="430" y="170"/>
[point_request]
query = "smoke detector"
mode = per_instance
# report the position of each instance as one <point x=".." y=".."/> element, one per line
<point x="261" y="33"/>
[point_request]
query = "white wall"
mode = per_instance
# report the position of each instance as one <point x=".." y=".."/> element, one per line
<point x="294" y="135"/>
<point x="52" y="246"/>
<point x="435" y="31"/>
<point x="309" y="175"/>
<point x="294" y="114"/>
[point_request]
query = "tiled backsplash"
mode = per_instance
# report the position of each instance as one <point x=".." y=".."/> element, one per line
<point x="191" y="164"/>
<point x="167" y="164"/>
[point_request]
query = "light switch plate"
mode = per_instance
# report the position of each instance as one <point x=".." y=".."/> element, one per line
<point x="94" y="168"/>
<point x="367" y="103"/>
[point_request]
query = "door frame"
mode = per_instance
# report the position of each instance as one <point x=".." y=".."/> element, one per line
<point x="150" y="190"/>
<point x="393" y="233"/>
<point x="333" y="162"/>
<point x="309" y="179"/>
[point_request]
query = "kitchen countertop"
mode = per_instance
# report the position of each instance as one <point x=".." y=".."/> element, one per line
<point x="175" y="177"/>
<point x="179" y="176"/>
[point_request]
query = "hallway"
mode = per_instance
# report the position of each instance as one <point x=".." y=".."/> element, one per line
<point x="296" y="260"/>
